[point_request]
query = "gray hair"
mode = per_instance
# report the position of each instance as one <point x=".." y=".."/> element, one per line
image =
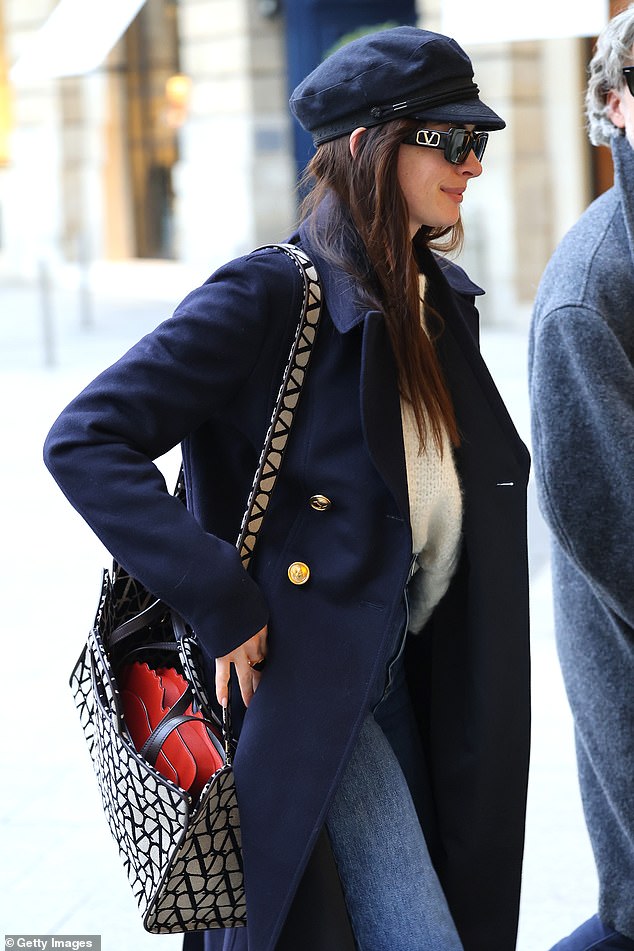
<point x="613" y="52"/>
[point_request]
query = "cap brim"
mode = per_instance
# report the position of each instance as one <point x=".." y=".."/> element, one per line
<point x="469" y="112"/>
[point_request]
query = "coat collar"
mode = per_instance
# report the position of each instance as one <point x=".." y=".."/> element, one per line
<point x="623" y="156"/>
<point x="341" y="293"/>
<point x="344" y="296"/>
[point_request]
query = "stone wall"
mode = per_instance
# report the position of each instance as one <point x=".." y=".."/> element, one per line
<point x="66" y="191"/>
<point x="235" y="181"/>
<point x="531" y="189"/>
<point x="29" y="185"/>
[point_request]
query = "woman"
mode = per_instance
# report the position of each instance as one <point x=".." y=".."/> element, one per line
<point x="403" y="470"/>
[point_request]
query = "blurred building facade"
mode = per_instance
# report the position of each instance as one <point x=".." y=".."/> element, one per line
<point x="179" y="146"/>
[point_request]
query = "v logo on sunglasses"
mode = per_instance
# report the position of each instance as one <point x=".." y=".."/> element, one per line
<point x="427" y="137"/>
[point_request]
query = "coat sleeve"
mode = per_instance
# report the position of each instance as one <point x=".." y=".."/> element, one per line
<point x="582" y="401"/>
<point x="101" y="448"/>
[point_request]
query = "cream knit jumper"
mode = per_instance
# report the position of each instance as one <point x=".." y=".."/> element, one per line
<point x="435" y="505"/>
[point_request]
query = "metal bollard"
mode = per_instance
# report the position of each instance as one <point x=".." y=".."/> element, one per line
<point x="86" y="317"/>
<point x="46" y="312"/>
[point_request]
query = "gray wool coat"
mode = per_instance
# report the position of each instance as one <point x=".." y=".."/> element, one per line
<point x="581" y="371"/>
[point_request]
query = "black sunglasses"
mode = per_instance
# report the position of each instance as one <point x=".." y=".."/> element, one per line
<point x="628" y="72"/>
<point x="456" y="143"/>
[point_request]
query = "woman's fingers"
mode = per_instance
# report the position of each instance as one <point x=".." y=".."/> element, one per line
<point x="223" y="670"/>
<point x="256" y="647"/>
<point x="248" y="680"/>
<point x="252" y="652"/>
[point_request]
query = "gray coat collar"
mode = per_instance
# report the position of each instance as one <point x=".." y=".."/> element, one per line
<point x="623" y="156"/>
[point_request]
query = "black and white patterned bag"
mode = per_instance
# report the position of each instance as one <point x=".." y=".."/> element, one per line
<point x="182" y="856"/>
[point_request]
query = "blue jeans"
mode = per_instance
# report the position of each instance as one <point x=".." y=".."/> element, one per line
<point x="392" y="892"/>
<point x="593" y="935"/>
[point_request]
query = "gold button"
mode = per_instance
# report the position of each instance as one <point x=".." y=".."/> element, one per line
<point x="320" y="503"/>
<point x="298" y="572"/>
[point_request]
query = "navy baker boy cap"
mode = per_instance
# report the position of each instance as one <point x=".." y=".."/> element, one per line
<point x="392" y="74"/>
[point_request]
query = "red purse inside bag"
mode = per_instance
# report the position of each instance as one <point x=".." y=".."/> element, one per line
<point x="188" y="755"/>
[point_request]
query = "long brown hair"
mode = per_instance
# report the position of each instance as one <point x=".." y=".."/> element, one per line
<point x="366" y="232"/>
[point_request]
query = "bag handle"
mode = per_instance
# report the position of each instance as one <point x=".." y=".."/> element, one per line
<point x="286" y="404"/>
<point x="173" y="719"/>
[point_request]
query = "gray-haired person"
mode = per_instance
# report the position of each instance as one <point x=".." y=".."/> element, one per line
<point x="582" y="397"/>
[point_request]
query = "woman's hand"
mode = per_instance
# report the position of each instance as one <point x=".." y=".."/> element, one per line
<point x="244" y="657"/>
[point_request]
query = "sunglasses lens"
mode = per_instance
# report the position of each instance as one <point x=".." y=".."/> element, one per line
<point x="480" y="144"/>
<point x="458" y="145"/>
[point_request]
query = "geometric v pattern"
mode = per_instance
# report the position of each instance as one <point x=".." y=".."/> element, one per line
<point x="285" y="405"/>
<point x="183" y="858"/>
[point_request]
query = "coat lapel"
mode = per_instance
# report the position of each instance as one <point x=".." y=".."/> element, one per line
<point x="477" y="402"/>
<point x="482" y="417"/>
<point x="380" y="402"/>
<point x="381" y="410"/>
<point x="465" y="371"/>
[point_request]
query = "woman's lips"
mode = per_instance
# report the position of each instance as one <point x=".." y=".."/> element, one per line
<point x="455" y="193"/>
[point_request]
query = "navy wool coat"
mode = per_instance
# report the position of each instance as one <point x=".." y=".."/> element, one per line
<point x="208" y="378"/>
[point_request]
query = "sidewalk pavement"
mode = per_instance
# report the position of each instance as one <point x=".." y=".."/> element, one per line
<point x="61" y="873"/>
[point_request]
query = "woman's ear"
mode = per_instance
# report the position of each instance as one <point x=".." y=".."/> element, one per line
<point x="614" y="111"/>
<point x="355" y="138"/>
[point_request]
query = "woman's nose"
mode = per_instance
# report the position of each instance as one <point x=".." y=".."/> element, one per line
<point x="472" y="166"/>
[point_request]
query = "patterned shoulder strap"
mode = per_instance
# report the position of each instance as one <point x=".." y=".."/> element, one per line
<point x="286" y="404"/>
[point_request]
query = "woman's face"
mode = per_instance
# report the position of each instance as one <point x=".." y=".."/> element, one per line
<point x="433" y="188"/>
